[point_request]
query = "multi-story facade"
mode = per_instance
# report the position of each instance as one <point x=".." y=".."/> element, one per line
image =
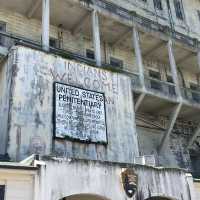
<point x="97" y="88"/>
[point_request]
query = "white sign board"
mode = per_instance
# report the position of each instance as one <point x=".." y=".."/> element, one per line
<point x="79" y="114"/>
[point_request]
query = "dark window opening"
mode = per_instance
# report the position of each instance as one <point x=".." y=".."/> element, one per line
<point x="195" y="92"/>
<point x="153" y="82"/>
<point x="198" y="13"/>
<point x="2" y="29"/>
<point x="158" y="4"/>
<point x="195" y="161"/>
<point x="90" y="54"/>
<point x="2" y="192"/>
<point x="171" y="88"/>
<point x="179" y="9"/>
<point x="53" y="42"/>
<point x="116" y="62"/>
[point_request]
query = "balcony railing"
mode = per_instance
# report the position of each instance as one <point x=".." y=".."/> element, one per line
<point x="143" y="21"/>
<point x="192" y="96"/>
<point x="160" y="87"/>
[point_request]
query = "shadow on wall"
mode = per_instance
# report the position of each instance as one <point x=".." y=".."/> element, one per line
<point x="84" y="197"/>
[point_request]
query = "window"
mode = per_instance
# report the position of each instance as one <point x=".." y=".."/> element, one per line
<point x="171" y="87"/>
<point x="53" y="42"/>
<point x="2" y="29"/>
<point x="2" y="192"/>
<point x="154" y="84"/>
<point x="158" y="4"/>
<point x="195" y="92"/>
<point x="90" y="54"/>
<point x="115" y="62"/>
<point x="179" y="9"/>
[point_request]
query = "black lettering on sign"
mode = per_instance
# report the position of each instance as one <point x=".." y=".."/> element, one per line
<point x="79" y="114"/>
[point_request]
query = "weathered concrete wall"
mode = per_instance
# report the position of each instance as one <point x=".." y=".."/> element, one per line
<point x="197" y="189"/>
<point x="31" y="126"/>
<point x="175" y="154"/>
<point x="5" y="84"/>
<point x="188" y="26"/>
<point x="31" y="28"/>
<point x="19" y="184"/>
<point x="104" y="179"/>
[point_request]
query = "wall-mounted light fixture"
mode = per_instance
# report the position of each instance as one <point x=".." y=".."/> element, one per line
<point x="130" y="181"/>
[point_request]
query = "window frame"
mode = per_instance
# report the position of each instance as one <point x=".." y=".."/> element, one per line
<point x="88" y="53"/>
<point x="54" y="40"/>
<point x="179" y="10"/>
<point x="2" y="38"/>
<point x="154" y="76"/>
<point x="116" y="62"/>
<point x="158" y="4"/>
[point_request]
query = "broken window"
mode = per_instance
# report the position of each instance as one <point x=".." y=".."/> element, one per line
<point x="2" y="192"/>
<point x="115" y="62"/>
<point x="158" y="4"/>
<point x="53" y="42"/>
<point x="90" y="54"/>
<point x="179" y="9"/>
<point x="2" y="29"/>
<point x="155" y="84"/>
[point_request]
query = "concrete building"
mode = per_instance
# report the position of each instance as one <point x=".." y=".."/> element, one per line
<point x="100" y="90"/>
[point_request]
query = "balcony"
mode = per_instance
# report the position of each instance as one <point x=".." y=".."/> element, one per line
<point x="191" y="96"/>
<point x="191" y="104"/>
<point x="145" y="23"/>
<point x="160" y="88"/>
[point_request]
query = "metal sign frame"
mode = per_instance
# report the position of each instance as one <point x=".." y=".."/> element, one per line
<point x="68" y="137"/>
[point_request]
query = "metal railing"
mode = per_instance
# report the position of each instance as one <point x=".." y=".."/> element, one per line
<point x="11" y="39"/>
<point x="161" y="87"/>
<point x="111" y="7"/>
<point x="192" y="96"/>
<point x="146" y="22"/>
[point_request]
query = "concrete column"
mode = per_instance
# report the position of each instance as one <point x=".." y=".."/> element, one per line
<point x="138" y="55"/>
<point x="139" y="101"/>
<point x="45" y="24"/>
<point x="96" y="37"/>
<point x="172" y="121"/>
<point x="173" y="67"/>
<point x="198" y="60"/>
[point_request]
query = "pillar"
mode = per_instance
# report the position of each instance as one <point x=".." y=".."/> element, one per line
<point x="173" y="67"/>
<point x="96" y="37"/>
<point x="45" y="24"/>
<point x="138" y="54"/>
